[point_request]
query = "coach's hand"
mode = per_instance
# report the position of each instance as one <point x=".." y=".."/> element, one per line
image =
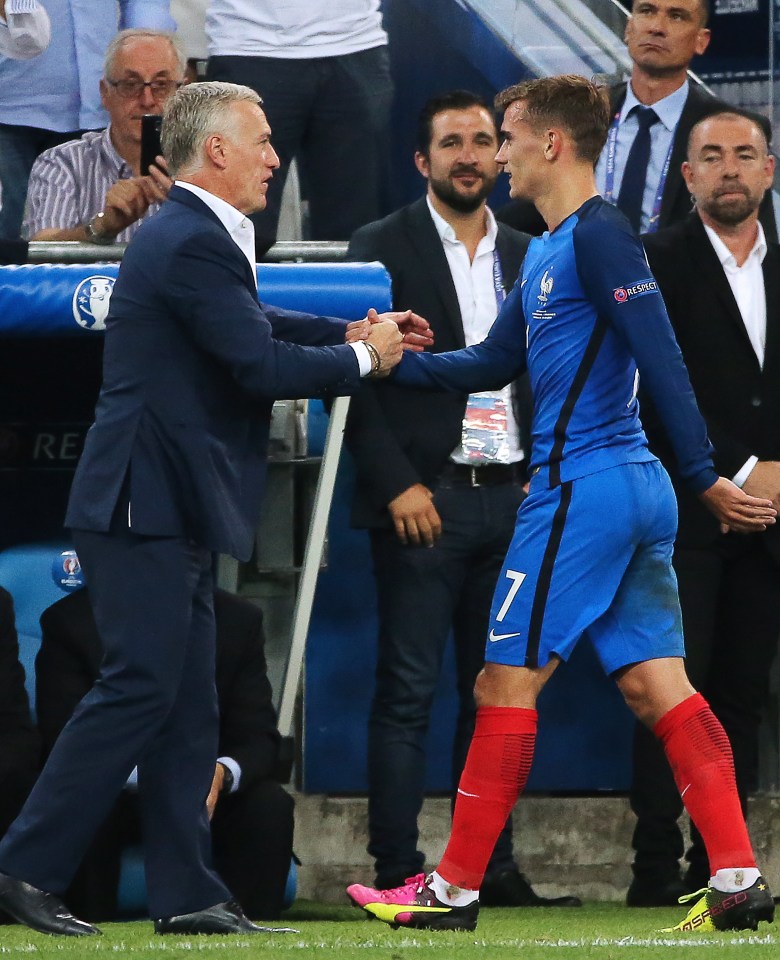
<point x="386" y="337"/>
<point x="216" y="788"/>
<point x="736" y="510"/>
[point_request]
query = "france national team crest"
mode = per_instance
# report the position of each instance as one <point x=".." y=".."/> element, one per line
<point x="545" y="287"/>
<point x="641" y="289"/>
<point x="90" y="302"/>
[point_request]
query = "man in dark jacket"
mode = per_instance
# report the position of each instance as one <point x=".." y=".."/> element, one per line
<point x="19" y="744"/>
<point x="251" y="814"/>
<point x="720" y="280"/>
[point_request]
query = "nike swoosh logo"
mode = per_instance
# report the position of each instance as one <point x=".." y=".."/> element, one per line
<point x="493" y="636"/>
<point x="523" y="283"/>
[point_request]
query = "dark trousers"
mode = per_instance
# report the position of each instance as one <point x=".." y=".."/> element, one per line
<point x="252" y="834"/>
<point x="423" y="593"/>
<point x="19" y="147"/>
<point x="730" y="598"/>
<point x="332" y="115"/>
<point x="154" y="706"/>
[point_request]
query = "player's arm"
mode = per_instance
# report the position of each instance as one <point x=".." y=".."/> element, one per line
<point x="490" y="365"/>
<point x="614" y="272"/>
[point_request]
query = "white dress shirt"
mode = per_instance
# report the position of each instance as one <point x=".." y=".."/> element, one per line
<point x="475" y="288"/>
<point x="747" y="285"/>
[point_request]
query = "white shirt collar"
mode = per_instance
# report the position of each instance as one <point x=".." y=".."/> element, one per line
<point x="228" y="215"/>
<point x="446" y="232"/>
<point x="725" y="255"/>
<point x="669" y="109"/>
<point x="239" y="226"/>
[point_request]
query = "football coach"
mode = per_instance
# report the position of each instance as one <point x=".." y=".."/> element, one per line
<point x="171" y="474"/>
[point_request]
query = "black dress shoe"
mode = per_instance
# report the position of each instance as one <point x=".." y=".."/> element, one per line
<point x="39" y="910"/>
<point x="225" y="917"/>
<point x="656" y="891"/>
<point x="509" y="888"/>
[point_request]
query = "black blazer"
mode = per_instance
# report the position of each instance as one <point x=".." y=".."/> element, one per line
<point x="676" y="201"/>
<point x="739" y="400"/>
<point x="68" y="663"/>
<point x="19" y="745"/>
<point x="399" y="436"/>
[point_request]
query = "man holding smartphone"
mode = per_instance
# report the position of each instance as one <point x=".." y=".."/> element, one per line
<point x="94" y="189"/>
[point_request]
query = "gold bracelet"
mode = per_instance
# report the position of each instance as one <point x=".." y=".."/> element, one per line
<point x="376" y="360"/>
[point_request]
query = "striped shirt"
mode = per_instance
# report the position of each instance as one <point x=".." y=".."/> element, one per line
<point x="69" y="183"/>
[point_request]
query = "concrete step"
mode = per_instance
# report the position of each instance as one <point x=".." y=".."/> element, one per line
<point x="577" y="845"/>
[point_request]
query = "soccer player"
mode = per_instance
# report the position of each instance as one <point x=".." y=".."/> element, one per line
<point x="593" y="542"/>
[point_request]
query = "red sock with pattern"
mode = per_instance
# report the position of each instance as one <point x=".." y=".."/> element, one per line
<point x="497" y="767"/>
<point x="700" y="756"/>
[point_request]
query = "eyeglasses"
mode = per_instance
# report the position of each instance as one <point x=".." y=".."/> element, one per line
<point x="130" y="89"/>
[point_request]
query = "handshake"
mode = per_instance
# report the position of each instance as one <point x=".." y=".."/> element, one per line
<point x="387" y="335"/>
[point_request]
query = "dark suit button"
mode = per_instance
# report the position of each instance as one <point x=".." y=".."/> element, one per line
<point x="755" y="401"/>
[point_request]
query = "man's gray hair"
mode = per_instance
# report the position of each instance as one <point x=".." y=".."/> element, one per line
<point x="125" y="36"/>
<point x="192" y="115"/>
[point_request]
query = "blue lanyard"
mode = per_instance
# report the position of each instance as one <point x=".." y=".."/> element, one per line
<point x="609" y="173"/>
<point x="498" y="282"/>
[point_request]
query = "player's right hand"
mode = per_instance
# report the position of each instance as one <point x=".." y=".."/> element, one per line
<point x="736" y="510"/>
<point x="414" y="516"/>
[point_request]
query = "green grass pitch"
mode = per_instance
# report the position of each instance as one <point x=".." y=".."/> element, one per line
<point x="598" y="930"/>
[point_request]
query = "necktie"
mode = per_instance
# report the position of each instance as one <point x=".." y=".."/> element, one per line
<point x="633" y="186"/>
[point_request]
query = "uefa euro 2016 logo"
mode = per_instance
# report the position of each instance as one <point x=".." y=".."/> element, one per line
<point x="90" y="302"/>
<point x="66" y="571"/>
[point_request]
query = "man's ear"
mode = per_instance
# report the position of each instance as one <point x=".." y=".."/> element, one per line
<point x="422" y="163"/>
<point x="216" y="150"/>
<point x="553" y="145"/>
<point x="687" y="175"/>
<point x="703" y="40"/>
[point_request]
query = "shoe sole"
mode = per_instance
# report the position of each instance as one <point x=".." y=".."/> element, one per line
<point x="444" y="921"/>
<point x="750" y="919"/>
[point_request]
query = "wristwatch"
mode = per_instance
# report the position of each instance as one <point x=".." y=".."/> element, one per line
<point x="94" y="231"/>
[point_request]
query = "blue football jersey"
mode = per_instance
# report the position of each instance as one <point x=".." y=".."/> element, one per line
<point x="587" y="319"/>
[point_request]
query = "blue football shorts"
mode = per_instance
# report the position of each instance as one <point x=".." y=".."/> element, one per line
<point x="594" y="556"/>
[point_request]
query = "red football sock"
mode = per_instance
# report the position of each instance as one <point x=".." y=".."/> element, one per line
<point x="495" y="773"/>
<point x="700" y="756"/>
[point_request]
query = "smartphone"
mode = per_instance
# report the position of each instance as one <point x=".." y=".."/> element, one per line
<point x="151" y="124"/>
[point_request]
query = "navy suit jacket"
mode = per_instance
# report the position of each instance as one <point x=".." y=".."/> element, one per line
<point x="192" y="365"/>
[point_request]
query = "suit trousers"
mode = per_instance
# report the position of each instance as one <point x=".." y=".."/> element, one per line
<point x="730" y="598"/>
<point x="424" y="593"/>
<point x="332" y="115"/>
<point x="252" y="833"/>
<point x="153" y="706"/>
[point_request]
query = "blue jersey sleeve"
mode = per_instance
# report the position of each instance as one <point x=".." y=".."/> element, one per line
<point x="489" y="365"/>
<point x="615" y="275"/>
